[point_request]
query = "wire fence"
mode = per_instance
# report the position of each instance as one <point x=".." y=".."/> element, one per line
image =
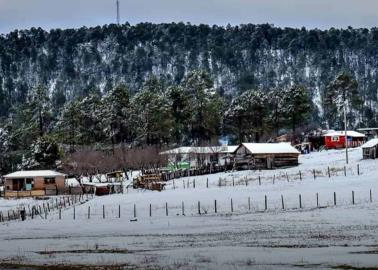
<point x="218" y="207"/>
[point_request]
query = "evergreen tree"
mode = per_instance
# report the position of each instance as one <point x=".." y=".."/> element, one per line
<point x="342" y="91"/>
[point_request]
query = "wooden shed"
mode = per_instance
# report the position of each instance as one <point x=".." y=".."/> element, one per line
<point x="370" y="149"/>
<point x="32" y="183"/>
<point x="266" y="155"/>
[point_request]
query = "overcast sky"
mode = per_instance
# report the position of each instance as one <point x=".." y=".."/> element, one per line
<point x="21" y="14"/>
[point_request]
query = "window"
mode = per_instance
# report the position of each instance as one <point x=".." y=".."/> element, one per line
<point x="335" y="138"/>
<point x="49" y="180"/>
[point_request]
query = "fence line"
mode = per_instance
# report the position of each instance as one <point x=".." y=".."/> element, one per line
<point x="198" y="208"/>
<point x="245" y="180"/>
<point x="46" y="208"/>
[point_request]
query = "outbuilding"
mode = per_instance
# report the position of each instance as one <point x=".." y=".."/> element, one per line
<point x="336" y="139"/>
<point x="32" y="183"/>
<point x="370" y="149"/>
<point x="266" y="155"/>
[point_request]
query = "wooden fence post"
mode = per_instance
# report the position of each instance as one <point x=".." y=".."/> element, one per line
<point x="274" y="178"/>
<point x="60" y="213"/>
<point x="334" y="198"/>
<point x="344" y="170"/>
<point x="352" y="197"/>
<point x="266" y="203"/>
<point x="300" y="201"/>
<point x="371" y="196"/>
<point x="314" y="172"/>
<point x="166" y="209"/>
<point x="317" y="200"/>
<point x="232" y="206"/>
<point x="249" y="203"/>
<point x="259" y="180"/>
<point x="233" y="181"/>
<point x="300" y="175"/>
<point x="194" y="183"/>
<point x="215" y="206"/>
<point x="183" y="208"/>
<point x="150" y="210"/>
<point x="199" y="208"/>
<point x="134" y="210"/>
<point x="89" y="212"/>
<point x="358" y="169"/>
<point x="329" y="173"/>
<point x="103" y="211"/>
<point x="207" y="182"/>
<point x="74" y="213"/>
<point x="287" y="177"/>
<point x="282" y="202"/>
<point x="119" y="211"/>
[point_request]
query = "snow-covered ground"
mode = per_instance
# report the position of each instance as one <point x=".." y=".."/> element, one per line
<point x="240" y="235"/>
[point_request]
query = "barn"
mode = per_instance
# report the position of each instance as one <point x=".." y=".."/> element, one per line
<point x="265" y="155"/>
<point x="370" y="149"/>
<point x="336" y="139"/>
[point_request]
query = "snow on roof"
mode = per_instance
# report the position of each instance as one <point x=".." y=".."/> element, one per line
<point x="371" y="143"/>
<point x="350" y="133"/>
<point x="270" y="148"/>
<point x="36" y="173"/>
<point x="201" y="150"/>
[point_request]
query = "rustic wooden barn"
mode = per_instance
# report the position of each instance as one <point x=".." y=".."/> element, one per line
<point x="370" y="149"/>
<point x="265" y="155"/>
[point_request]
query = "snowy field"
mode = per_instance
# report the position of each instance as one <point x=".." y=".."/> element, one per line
<point x="181" y="228"/>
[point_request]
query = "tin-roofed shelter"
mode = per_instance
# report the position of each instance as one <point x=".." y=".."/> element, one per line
<point x="370" y="149"/>
<point x="32" y="183"/>
<point x="266" y="155"/>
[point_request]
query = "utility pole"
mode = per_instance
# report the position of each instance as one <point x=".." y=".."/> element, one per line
<point x="346" y="135"/>
<point x="118" y="18"/>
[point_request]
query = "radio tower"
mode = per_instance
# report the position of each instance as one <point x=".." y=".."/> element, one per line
<point x="118" y="12"/>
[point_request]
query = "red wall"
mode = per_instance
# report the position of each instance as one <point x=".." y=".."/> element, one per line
<point x="331" y="145"/>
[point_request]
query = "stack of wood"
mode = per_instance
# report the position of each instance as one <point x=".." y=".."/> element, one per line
<point x="149" y="181"/>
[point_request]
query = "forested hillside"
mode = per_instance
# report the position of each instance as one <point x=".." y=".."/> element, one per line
<point x="164" y="84"/>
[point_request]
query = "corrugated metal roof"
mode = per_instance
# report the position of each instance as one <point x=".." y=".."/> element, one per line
<point x="35" y="173"/>
<point x="350" y="133"/>
<point x="270" y="148"/>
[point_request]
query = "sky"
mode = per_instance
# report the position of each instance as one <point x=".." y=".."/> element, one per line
<point x="322" y="14"/>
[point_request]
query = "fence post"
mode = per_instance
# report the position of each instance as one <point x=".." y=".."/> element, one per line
<point x="334" y="198"/>
<point x="274" y="178"/>
<point x="352" y="197"/>
<point x="259" y="180"/>
<point x="150" y="210"/>
<point x="371" y="196"/>
<point x="287" y="177"/>
<point x="183" y="183"/>
<point x="89" y="212"/>
<point x="215" y="206"/>
<point x="329" y="173"/>
<point x="344" y="170"/>
<point x="314" y="172"/>
<point x="300" y="175"/>
<point x="60" y="213"/>
<point x="103" y="211"/>
<point x="199" y="208"/>
<point x="207" y="182"/>
<point x="232" y="206"/>
<point x="358" y="169"/>
<point x="166" y="209"/>
<point x="74" y="213"/>
<point x="134" y="210"/>
<point x="249" y="203"/>
<point x="119" y="211"/>
<point x="317" y="200"/>
<point x="233" y="181"/>
<point x="300" y="201"/>
<point x="174" y="187"/>
<point x="194" y="183"/>
<point x="266" y="203"/>
<point x="183" y="208"/>
<point x="282" y="202"/>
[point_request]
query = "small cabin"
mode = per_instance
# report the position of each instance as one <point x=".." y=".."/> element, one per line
<point x="266" y="155"/>
<point x="370" y="149"/>
<point x="336" y="139"/>
<point x="32" y="183"/>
